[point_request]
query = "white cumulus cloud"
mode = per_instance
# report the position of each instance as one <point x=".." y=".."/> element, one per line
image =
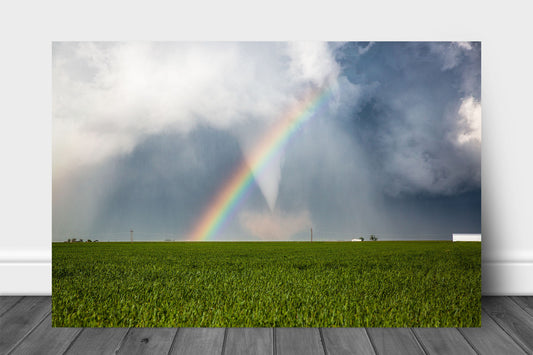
<point x="107" y="97"/>
<point x="469" y="121"/>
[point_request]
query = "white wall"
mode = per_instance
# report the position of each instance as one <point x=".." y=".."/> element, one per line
<point x="27" y="29"/>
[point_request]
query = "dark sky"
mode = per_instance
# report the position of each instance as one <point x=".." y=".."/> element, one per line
<point x="146" y="134"/>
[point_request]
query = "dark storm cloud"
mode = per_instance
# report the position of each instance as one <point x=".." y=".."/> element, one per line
<point x="160" y="188"/>
<point x="407" y="122"/>
<point x="167" y="181"/>
<point x="389" y="160"/>
<point x="395" y="152"/>
<point x="330" y="172"/>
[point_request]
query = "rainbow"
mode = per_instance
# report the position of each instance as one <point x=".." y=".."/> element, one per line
<point x="234" y="190"/>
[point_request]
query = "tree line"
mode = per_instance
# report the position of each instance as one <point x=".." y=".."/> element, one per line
<point x="75" y="240"/>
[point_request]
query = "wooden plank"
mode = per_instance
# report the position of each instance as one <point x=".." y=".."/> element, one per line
<point x="443" y="341"/>
<point x="26" y="328"/>
<point x="304" y="341"/>
<point x="148" y="341"/>
<point x="98" y="341"/>
<point x="7" y="302"/>
<point x="249" y="341"/>
<point x="47" y="340"/>
<point x="347" y="341"/>
<point x="18" y="321"/>
<point x="198" y="341"/>
<point x="490" y="339"/>
<point x="394" y="341"/>
<point x="526" y="302"/>
<point x="512" y="318"/>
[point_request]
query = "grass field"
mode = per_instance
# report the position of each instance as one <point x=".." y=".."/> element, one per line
<point x="270" y="284"/>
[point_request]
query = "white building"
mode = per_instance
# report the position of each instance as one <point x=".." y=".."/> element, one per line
<point x="466" y="237"/>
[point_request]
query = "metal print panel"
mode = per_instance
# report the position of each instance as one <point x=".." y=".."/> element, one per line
<point x="266" y="184"/>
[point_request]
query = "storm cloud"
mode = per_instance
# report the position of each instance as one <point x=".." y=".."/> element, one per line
<point x="146" y="134"/>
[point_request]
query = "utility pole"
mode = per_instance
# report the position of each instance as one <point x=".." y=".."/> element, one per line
<point x="131" y="236"/>
<point x="311" y="235"/>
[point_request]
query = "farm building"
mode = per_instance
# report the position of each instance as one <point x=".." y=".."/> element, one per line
<point x="466" y="237"/>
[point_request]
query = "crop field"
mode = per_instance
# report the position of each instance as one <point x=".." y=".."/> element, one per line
<point x="266" y="284"/>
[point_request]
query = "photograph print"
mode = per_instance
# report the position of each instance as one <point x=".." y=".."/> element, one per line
<point x="266" y="184"/>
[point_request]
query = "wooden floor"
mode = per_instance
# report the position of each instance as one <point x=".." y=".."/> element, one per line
<point x="507" y="328"/>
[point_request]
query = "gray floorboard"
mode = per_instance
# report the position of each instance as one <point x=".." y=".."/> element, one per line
<point x="25" y="328"/>
<point x="20" y="319"/>
<point x="296" y="341"/>
<point x="46" y="340"/>
<point x="244" y="341"/>
<point x="443" y="341"/>
<point x="347" y="341"/>
<point x="7" y="302"/>
<point x="526" y="302"/>
<point x="398" y="341"/>
<point x="513" y="319"/>
<point x="201" y="341"/>
<point x="147" y="341"/>
<point x="97" y="341"/>
<point x="490" y="339"/>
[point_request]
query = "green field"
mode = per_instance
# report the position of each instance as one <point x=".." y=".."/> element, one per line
<point x="266" y="284"/>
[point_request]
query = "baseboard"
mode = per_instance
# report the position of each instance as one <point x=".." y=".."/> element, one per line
<point x="506" y="278"/>
<point x="23" y="276"/>
<point x="26" y="278"/>
<point x="26" y="272"/>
